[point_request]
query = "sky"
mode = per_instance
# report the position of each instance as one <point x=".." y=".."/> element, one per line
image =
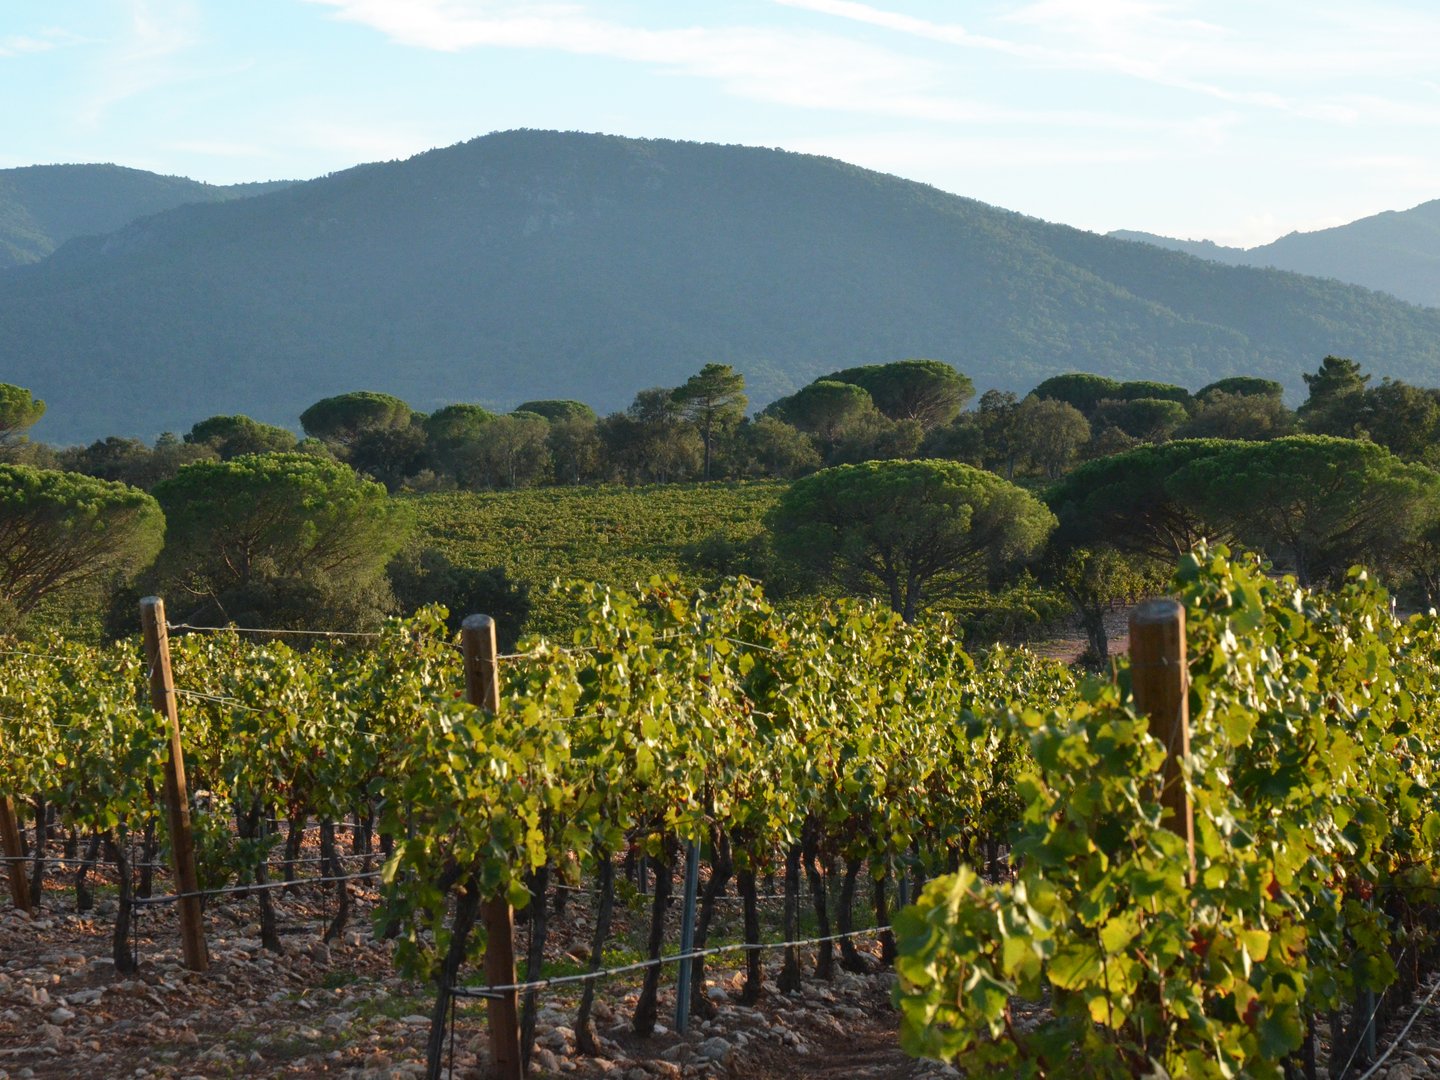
<point x="1231" y="121"/>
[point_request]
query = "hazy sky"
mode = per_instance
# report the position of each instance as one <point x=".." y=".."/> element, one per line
<point x="1227" y="120"/>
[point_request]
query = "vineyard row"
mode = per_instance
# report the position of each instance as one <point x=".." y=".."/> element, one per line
<point x="1198" y="917"/>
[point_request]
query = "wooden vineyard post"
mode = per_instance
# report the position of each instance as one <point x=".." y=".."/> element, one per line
<point x="482" y="688"/>
<point x="687" y="936"/>
<point x="1161" y="682"/>
<point x="14" y="855"/>
<point x="177" y="799"/>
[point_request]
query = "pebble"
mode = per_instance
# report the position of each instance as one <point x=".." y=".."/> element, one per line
<point x="715" y="1049"/>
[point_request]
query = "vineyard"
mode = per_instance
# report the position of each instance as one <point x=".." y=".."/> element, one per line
<point x="837" y="764"/>
<point x="607" y="533"/>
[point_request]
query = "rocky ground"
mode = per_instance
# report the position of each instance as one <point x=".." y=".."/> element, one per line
<point x="1068" y="643"/>
<point x="340" y="1010"/>
<point x="1402" y="1054"/>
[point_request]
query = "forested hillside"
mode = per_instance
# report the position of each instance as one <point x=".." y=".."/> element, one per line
<point x="1396" y="252"/>
<point x="42" y="206"/>
<point x="530" y="264"/>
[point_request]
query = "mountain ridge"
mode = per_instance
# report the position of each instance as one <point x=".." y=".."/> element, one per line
<point x="1394" y="251"/>
<point x="44" y="206"/>
<point x="533" y="264"/>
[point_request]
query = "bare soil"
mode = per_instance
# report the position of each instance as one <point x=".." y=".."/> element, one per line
<point x="339" y="1010"/>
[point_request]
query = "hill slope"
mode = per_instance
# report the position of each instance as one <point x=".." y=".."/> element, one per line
<point x="1201" y="249"/>
<point x="1397" y="252"/>
<point x="42" y="206"/>
<point x="539" y="264"/>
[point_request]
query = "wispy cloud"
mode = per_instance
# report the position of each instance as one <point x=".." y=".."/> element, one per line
<point x="903" y="153"/>
<point x="1166" y="44"/>
<point x="42" y="41"/>
<point x="143" y="59"/>
<point x="800" y="68"/>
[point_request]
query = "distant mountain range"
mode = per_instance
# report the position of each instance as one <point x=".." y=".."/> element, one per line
<point x="42" y="206"/>
<point x="533" y="264"/>
<point x="1396" y="252"/>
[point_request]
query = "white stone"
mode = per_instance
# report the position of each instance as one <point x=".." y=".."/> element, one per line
<point x="715" y="1049"/>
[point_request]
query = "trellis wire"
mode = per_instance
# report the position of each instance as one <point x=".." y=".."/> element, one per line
<point x="273" y="630"/>
<point x="229" y="890"/>
<point x="641" y="965"/>
<point x="61" y="860"/>
<point x="1399" y="1039"/>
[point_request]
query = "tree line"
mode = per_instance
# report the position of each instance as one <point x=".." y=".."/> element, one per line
<point x="899" y="490"/>
<point x="700" y="430"/>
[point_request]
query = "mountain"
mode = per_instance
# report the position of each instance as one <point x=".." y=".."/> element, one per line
<point x="1397" y="252"/>
<point x="1201" y="249"/>
<point x="42" y="206"/>
<point x="533" y="264"/>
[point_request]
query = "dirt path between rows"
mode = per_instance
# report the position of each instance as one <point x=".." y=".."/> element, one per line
<point x="864" y="1048"/>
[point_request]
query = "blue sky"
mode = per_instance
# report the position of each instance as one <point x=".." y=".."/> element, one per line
<point x="1233" y="121"/>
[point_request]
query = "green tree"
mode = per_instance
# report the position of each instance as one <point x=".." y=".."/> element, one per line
<point x="391" y="455"/>
<point x="778" y="449"/>
<point x="116" y="458"/>
<point x="1314" y="504"/>
<point x="651" y="440"/>
<point x="558" y="410"/>
<point x="825" y="409"/>
<point x="1049" y="433"/>
<point x="19" y="411"/>
<point x="1402" y="418"/>
<point x="1107" y="441"/>
<point x="961" y="440"/>
<point x="928" y="391"/>
<point x="511" y="451"/>
<point x="875" y="437"/>
<point x="421" y="576"/>
<point x="1420" y="559"/>
<point x="61" y="530"/>
<point x="456" y="423"/>
<point x="1224" y="414"/>
<point x="231" y="436"/>
<point x="713" y="399"/>
<point x="1126" y="501"/>
<point x="1080" y="388"/>
<point x="286" y="537"/>
<point x="130" y="461"/>
<point x="1097" y="579"/>
<point x="1243" y="386"/>
<point x="452" y="433"/>
<point x="996" y="416"/>
<point x="1336" y="380"/>
<point x="576" y="452"/>
<point x="1145" y="419"/>
<point x="1145" y="389"/>
<point x="344" y="418"/>
<point x="911" y="531"/>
